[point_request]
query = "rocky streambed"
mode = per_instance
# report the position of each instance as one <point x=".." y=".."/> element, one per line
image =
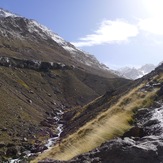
<point x="143" y="143"/>
<point x="53" y="140"/>
<point x="46" y="146"/>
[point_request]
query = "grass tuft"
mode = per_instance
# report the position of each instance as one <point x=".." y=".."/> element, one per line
<point x="107" y="125"/>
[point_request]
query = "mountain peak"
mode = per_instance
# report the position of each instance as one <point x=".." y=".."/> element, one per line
<point x="5" y="13"/>
<point x="29" y="30"/>
<point x="135" y="73"/>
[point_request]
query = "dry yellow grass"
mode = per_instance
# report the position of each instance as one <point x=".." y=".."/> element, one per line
<point x="107" y="125"/>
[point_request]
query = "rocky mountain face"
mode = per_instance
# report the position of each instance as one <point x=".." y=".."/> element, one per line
<point x="135" y="73"/>
<point x="27" y="39"/>
<point x="126" y="126"/>
<point x="44" y="80"/>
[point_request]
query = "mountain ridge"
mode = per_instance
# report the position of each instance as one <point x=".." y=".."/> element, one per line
<point x="31" y="29"/>
<point x="135" y="73"/>
<point x="40" y="79"/>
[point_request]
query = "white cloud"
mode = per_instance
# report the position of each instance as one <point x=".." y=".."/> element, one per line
<point x="120" y="30"/>
<point x="153" y="25"/>
<point x="109" y="32"/>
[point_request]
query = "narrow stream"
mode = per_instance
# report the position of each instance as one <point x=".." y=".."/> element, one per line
<point x="50" y="141"/>
<point x="158" y="115"/>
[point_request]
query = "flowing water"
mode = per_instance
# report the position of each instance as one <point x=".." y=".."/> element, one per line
<point x="50" y="141"/>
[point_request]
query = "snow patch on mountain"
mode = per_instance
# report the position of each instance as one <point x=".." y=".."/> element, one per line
<point x="5" y="13"/>
<point x="38" y="31"/>
<point x="158" y="115"/>
<point x="78" y="54"/>
<point x="44" y="32"/>
<point x="135" y="73"/>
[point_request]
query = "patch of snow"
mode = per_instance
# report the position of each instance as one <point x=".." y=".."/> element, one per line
<point x="51" y="142"/>
<point x="5" y="13"/>
<point x="147" y="145"/>
<point x="14" y="161"/>
<point x="135" y="73"/>
<point x="129" y="141"/>
<point x="70" y="49"/>
<point x="35" y="26"/>
<point x="158" y="114"/>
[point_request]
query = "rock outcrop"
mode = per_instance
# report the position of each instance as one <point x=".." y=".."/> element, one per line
<point x="133" y="149"/>
<point x="32" y="64"/>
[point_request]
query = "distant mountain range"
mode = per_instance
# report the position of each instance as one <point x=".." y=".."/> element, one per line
<point x="135" y="73"/>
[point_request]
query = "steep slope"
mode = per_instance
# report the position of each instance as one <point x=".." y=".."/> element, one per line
<point x="135" y="73"/>
<point x="42" y="77"/>
<point x="31" y="96"/>
<point x="114" y="115"/>
<point x="27" y="39"/>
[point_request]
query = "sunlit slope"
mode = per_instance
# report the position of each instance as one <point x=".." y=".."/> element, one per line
<point x="112" y="122"/>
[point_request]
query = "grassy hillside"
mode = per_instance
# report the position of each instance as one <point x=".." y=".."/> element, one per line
<point x="112" y="122"/>
<point x="29" y="97"/>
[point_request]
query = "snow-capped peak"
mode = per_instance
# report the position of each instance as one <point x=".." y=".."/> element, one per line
<point x="135" y="73"/>
<point x="5" y="13"/>
<point x="45" y="30"/>
<point x="35" y="29"/>
<point x="35" y="26"/>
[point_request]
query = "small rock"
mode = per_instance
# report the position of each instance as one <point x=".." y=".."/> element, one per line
<point x="38" y="148"/>
<point x="30" y="101"/>
<point x="4" y="129"/>
<point x="49" y="95"/>
<point x="53" y="102"/>
<point x="25" y="139"/>
<point x="31" y="92"/>
<point x="135" y="132"/>
<point x="151" y="122"/>
<point x="2" y="144"/>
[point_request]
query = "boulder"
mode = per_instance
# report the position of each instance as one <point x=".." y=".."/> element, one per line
<point x="134" y="132"/>
<point x="4" y="129"/>
<point x="11" y="151"/>
<point x="38" y="148"/>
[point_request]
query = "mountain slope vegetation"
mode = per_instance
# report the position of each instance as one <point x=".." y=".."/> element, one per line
<point x="42" y="75"/>
<point x="115" y="118"/>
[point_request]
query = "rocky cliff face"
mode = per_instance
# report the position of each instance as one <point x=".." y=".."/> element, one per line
<point x="32" y="64"/>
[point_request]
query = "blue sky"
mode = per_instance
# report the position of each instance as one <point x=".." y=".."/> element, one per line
<point x="118" y="32"/>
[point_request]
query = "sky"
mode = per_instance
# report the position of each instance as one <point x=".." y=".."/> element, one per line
<point x="117" y="32"/>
